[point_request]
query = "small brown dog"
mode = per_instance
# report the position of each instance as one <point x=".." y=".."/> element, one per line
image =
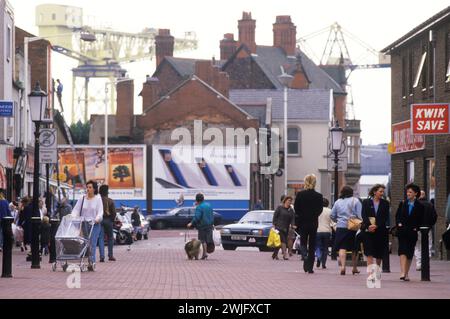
<point x="192" y="248"/>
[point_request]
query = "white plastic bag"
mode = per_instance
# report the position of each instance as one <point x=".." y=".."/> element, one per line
<point x="216" y="237"/>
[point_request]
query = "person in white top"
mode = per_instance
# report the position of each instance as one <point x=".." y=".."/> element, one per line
<point x="90" y="208"/>
<point x="323" y="235"/>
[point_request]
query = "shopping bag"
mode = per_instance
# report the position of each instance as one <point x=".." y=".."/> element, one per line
<point x="216" y="237"/>
<point x="296" y="245"/>
<point x="210" y="248"/>
<point x="274" y="240"/>
<point x="18" y="234"/>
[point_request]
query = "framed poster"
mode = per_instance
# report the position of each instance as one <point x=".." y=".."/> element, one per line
<point x="121" y="170"/>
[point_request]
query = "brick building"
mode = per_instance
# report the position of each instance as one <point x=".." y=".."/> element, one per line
<point x="415" y="80"/>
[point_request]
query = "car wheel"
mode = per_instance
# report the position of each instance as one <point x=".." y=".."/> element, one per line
<point x="160" y="224"/>
<point x="229" y="247"/>
<point x="265" y="249"/>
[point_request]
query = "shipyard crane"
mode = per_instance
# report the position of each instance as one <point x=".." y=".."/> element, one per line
<point x="336" y="60"/>
<point x="100" y="51"/>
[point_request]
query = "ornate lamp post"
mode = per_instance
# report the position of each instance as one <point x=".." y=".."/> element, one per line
<point x="338" y="148"/>
<point x="40" y="113"/>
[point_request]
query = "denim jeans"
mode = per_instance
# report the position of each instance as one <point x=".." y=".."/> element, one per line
<point x="322" y="243"/>
<point x="106" y="228"/>
<point x="94" y="240"/>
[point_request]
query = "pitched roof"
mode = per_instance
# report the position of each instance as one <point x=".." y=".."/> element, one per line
<point x="186" y="67"/>
<point x="437" y="18"/>
<point x="270" y="59"/>
<point x="209" y="87"/>
<point x="311" y="104"/>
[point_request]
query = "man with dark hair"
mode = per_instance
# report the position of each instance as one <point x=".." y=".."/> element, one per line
<point x="429" y="219"/>
<point x="204" y="222"/>
<point x="109" y="215"/>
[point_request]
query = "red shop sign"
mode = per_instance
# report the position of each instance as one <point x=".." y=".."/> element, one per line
<point x="403" y="139"/>
<point x="430" y="119"/>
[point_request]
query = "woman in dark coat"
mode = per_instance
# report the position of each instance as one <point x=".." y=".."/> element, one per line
<point x="408" y="219"/>
<point x="283" y="219"/>
<point x="25" y="215"/>
<point x="375" y="214"/>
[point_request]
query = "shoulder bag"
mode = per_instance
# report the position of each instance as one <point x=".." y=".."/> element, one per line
<point x="353" y="223"/>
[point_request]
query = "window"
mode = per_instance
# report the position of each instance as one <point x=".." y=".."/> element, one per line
<point x="353" y="150"/>
<point x="409" y="172"/>
<point x="420" y="70"/>
<point x="410" y="72"/>
<point x="404" y="84"/>
<point x="293" y="141"/>
<point x="8" y="44"/>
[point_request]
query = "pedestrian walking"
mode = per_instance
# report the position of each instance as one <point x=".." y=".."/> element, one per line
<point x="42" y="208"/>
<point x="283" y="220"/>
<point x="136" y="222"/>
<point x="323" y="235"/>
<point x="408" y="219"/>
<point x="259" y="205"/>
<point x="308" y="207"/>
<point x="59" y="90"/>
<point x="4" y="212"/>
<point x="375" y="215"/>
<point x="429" y="220"/>
<point x="45" y="235"/>
<point x="204" y="222"/>
<point x="25" y="215"/>
<point x="90" y="207"/>
<point x="344" y="208"/>
<point x="109" y="216"/>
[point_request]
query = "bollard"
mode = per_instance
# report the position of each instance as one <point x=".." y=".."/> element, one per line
<point x="35" y="242"/>
<point x="386" y="265"/>
<point x="425" y="275"/>
<point x="54" y="223"/>
<point x="8" y="240"/>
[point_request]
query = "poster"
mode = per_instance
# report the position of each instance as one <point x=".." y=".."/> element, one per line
<point x="219" y="175"/>
<point x="125" y="173"/>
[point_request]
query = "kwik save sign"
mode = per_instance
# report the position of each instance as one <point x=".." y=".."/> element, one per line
<point x="430" y="119"/>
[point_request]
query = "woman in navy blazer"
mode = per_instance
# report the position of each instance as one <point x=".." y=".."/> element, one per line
<point x="408" y="219"/>
<point x="375" y="214"/>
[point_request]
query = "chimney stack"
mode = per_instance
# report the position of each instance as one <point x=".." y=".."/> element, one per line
<point x="285" y="35"/>
<point x="164" y="44"/>
<point x="125" y="107"/>
<point x="212" y="75"/>
<point x="150" y="92"/>
<point x="227" y="46"/>
<point x="247" y="28"/>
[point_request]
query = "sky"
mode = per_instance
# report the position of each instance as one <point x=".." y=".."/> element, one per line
<point x="378" y="23"/>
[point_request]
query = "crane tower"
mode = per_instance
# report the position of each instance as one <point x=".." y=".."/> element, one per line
<point x="99" y="51"/>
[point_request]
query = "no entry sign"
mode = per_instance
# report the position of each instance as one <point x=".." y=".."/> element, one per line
<point x="430" y="119"/>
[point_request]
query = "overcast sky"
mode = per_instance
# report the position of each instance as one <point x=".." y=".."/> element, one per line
<point x="377" y="23"/>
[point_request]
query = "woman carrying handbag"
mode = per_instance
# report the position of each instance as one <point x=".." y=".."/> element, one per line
<point x="346" y="212"/>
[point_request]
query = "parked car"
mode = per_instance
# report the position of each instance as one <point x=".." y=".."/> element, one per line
<point x="252" y="230"/>
<point x="177" y="218"/>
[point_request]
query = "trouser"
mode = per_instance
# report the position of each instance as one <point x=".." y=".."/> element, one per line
<point x="1" y="235"/>
<point x="106" y="228"/>
<point x="308" y="243"/>
<point x="418" y="249"/>
<point x="93" y="240"/>
<point x="322" y="244"/>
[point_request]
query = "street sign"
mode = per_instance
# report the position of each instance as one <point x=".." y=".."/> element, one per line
<point x="430" y="119"/>
<point x="342" y="165"/>
<point x="6" y="109"/>
<point x="48" y="153"/>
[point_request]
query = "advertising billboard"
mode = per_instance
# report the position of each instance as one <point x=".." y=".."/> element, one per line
<point x="126" y="171"/>
<point x="221" y="174"/>
<point x="403" y="139"/>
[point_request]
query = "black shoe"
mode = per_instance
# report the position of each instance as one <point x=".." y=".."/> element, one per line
<point x="112" y="258"/>
<point x="204" y="257"/>
<point x="102" y="259"/>
<point x="324" y="267"/>
<point x="318" y="263"/>
<point x="311" y="272"/>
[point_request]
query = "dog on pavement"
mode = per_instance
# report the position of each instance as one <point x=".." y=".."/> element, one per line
<point x="192" y="248"/>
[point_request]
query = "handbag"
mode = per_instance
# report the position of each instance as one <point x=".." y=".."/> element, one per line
<point x="353" y="223"/>
<point x="216" y="237"/>
<point x="210" y="248"/>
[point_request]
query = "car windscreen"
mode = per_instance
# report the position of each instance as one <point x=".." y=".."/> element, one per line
<point x="257" y="218"/>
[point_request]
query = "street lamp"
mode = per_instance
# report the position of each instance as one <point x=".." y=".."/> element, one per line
<point x="337" y="142"/>
<point x="39" y="114"/>
<point x="286" y="80"/>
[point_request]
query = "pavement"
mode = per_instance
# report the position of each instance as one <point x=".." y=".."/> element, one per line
<point x="158" y="269"/>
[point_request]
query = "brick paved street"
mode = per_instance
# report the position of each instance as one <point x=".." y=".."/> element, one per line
<point x="158" y="268"/>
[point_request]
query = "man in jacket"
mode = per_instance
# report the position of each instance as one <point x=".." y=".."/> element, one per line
<point x="63" y="208"/>
<point x="308" y="207"/>
<point x="109" y="215"/>
<point x="204" y="222"/>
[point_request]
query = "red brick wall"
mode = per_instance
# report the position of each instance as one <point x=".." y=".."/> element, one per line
<point x="164" y="44"/>
<point x="247" y="28"/>
<point x="285" y="35"/>
<point x="125" y="108"/>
